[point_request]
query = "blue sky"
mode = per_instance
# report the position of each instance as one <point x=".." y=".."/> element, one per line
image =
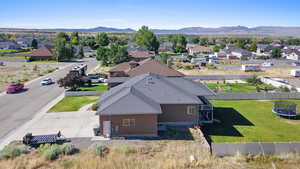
<point x="166" y="14"/>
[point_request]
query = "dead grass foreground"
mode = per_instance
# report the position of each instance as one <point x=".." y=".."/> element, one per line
<point x="152" y="155"/>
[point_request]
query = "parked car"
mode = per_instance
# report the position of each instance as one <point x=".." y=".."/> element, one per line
<point x="14" y="87"/>
<point x="267" y="64"/>
<point x="94" y="78"/>
<point x="47" y="81"/>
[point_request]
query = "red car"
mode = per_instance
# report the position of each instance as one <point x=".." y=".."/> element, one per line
<point x="14" y="87"/>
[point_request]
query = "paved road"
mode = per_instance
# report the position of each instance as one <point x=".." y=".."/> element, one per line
<point x="17" y="109"/>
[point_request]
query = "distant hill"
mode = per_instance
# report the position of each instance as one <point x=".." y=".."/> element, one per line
<point x="98" y="29"/>
<point x="230" y="30"/>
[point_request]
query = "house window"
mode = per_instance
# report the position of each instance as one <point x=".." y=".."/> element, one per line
<point x="191" y="110"/>
<point x="128" y="122"/>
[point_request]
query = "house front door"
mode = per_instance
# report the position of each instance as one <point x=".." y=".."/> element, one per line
<point x="107" y="128"/>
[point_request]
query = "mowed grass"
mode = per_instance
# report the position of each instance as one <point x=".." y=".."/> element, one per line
<point x="237" y="87"/>
<point x="95" y="88"/>
<point x="73" y="103"/>
<point x="251" y="121"/>
<point x="232" y="87"/>
<point x="12" y="57"/>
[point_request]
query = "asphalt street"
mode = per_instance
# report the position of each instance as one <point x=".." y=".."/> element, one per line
<point x="16" y="109"/>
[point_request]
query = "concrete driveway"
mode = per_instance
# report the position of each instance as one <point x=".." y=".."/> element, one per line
<point x="71" y="124"/>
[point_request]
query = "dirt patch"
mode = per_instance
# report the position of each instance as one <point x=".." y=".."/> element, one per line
<point x="23" y="72"/>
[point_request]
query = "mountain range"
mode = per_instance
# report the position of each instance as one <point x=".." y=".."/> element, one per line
<point x="230" y="30"/>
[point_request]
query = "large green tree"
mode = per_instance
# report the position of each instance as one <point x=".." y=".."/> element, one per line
<point x="102" y="39"/>
<point x="145" y="38"/>
<point x="103" y="53"/>
<point x="179" y="43"/>
<point x="75" y="38"/>
<point x="62" y="47"/>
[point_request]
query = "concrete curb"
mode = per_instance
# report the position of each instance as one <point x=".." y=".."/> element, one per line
<point x="18" y="133"/>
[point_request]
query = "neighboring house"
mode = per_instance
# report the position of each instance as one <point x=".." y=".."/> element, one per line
<point x="197" y="49"/>
<point x="292" y="54"/>
<point x="121" y="72"/>
<point x="24" y="43"/>
<point x="138" y="106"/>
<point x="9" y="45"/>
<point x="233" y="52"/>
<point x="201" y="61"/>
<point x="166" y="47"/>
<point x="139" y="55"/>
<point x="263" y="49"/>
<point x="179" y="58"/>
<point x="43" y="53"/>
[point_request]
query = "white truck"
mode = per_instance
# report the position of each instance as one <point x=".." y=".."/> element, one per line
<point x="251" y="68"/>
<point x="295" y="73"/>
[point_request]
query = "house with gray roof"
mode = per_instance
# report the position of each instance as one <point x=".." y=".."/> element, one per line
<point x="9" y="45"/>
<point x="233" y="52"/>
<point x="138" y="106"/>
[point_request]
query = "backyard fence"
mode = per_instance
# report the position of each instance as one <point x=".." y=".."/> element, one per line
<point x="82" y="93"/>
<point x="231" y="149"/>
<point x="255" y="96"/>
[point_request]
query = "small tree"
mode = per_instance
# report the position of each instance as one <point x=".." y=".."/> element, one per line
<point x="34" y="44"/>
<point x="276" y="53"/>
<point x="73" y="81"/>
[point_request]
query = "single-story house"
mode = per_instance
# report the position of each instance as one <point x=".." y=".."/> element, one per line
<point x="24" y="43"/>
<point x="130" y="69"/>
<point x="233" y="52"/>
<point x="43" y="53"/>
<point x="138" y="106"/>
<point x="9" y="45"/>
<point x="139" y="54"/>
<point x="292" y="54"/>
<point x="193" y="50"/>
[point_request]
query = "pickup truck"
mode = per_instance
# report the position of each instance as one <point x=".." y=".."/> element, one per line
<point x="14" y="87"/>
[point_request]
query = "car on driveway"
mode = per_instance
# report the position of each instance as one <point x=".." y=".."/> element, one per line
<point x="94" y="78"/>
<point x="14" y="87"/>
<point x="47" y="81"/>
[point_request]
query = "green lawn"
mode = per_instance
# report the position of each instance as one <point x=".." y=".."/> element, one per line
<point x="73" y="103"/>
<point x="95" y="88"/>
<point x="12" y="57"/>
<point x="8" y="50"/>
<point x="251" y="121"/>
<point x="236" y="87"/>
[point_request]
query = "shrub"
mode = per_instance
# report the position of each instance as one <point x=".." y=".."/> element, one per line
<point x="13" y="149"/>
<point x="95" y="107"/>
<point x="187" y="67"/>
<point x="100" y="149"/>
<point x="68" y="148"/>
<point x="254" y="80"/>
<point x="53" y="152"/>
<point x="35" y="68"/>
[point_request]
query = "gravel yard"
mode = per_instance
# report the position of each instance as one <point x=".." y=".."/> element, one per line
<point x="23" y="72"/>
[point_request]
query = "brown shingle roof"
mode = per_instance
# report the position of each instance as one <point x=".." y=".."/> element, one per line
<point x="141" y="54"/>
<point x="154" y="66"/>
<point x="146" y="66"/>
<point x="201" y="48"/>
<point x="43" y="51"/>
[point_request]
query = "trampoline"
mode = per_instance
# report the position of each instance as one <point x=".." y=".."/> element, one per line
<point x="285" y="109"/>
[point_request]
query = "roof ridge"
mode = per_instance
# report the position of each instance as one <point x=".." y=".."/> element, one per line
<point x="142" y="96"/>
